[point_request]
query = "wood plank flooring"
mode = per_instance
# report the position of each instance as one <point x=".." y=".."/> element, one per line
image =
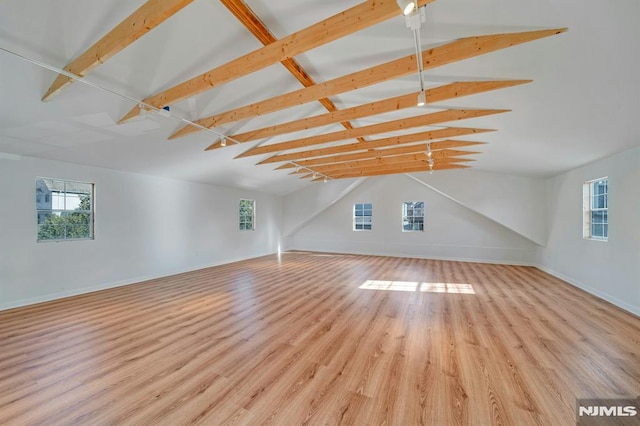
<point x="319" y="339"/>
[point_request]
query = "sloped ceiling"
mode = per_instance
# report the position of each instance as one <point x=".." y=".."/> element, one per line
<point x="581" y="106"/>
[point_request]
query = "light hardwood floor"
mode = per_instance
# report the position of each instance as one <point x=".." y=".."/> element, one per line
<point x="319" y="339"/>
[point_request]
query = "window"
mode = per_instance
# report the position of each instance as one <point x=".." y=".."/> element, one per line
<point x="247" y="215"/>
<point x="64" y="210"/>
<point x="595" y="206"/>
<point x="413" y="216"/>
<point x="362" y="215"/>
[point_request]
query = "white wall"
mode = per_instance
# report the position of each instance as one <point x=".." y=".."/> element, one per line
<point x="452" y="231"/>
<point x="609" y="269"/>
<point x="304" y="205"/>
<point x="145" y="227"/>
<point x="517" y="202"/>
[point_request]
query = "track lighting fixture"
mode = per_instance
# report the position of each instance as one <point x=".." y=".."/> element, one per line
<point x="223" y="141"/>
<point x="429" y="153"/>
<point x="325" y="180"/>
<point x="414" y="21"/>
<point x="407" y="6"/>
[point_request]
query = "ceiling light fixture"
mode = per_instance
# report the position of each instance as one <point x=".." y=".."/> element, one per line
<point x="414" y="19"/>
<point x="223" y="141"/>
<point x="407" y="6"/>
<point x="429" y="153"/>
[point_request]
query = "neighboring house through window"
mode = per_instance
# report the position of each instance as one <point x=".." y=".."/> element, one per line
<point x="595" y="206"/>
<point x="362" y="216"/>
<point x="247" y="215"/>
<point x="413" y="216"/>
<point x="64" y="209"/>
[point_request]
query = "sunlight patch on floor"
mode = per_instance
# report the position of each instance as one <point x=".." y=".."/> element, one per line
<point x="425" y="287"/>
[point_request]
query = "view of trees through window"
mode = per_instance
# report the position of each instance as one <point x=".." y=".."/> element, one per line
<point x="64" y="209"/>
<point x="247" y="215"/>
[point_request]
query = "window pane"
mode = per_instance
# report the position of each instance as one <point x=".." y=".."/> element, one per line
<point x="78" y="231"/>
<point x="597" y="230"/>
<point x="246" y="215"/>
<point x="63" y="209"/>
<point x="413" y="215"/>
<point x="362" y="213"/>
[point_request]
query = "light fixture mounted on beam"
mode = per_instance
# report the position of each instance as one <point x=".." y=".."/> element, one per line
<point x="407" y="6"/>
<point x="414" y="17"/>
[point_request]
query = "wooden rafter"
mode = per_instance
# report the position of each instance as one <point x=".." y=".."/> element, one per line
<point x="448" y="132"/>
<point x="254" y="24"/>
<point x="377" y="153"/>
<point x="438" y="94"/>
<point x="389" y="126"/>
<point x="384" y="161"/>
<point x="445" y="144"/>
<point x="144" y="19"/>
<point x="451" y="52"/>
<point x="410" y="168"/>
<point x="344" y="23"/>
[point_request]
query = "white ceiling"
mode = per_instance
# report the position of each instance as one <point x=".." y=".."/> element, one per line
<point x="582" y="106"/>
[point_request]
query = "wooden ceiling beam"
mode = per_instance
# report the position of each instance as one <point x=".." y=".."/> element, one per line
<point x="383" y="161"/>
<point x="389" y="126"/>
<point x="409" y="168"/>
<point x="438" y="56"/>
<point x="438" y="94"/>
<point x="377" y="153"/>
<point x="144" y="19"/>
<point x="361" y="16"/>
<point x="254" y="24"/>
<point x="449" y="132"/>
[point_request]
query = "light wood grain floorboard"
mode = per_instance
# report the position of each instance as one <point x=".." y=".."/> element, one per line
<point x="294" y="339"/>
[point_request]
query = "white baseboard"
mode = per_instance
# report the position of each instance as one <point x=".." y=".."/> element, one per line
<point x="635" y="310"/>
<point x="414" y="256"/>
<point x="105" y="286"/>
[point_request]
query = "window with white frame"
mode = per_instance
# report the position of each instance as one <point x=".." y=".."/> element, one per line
<point x="247" y="215"/>
<point x="64" y="209"/>
<point x="595" y="206"/>
<point x="362" y="216"/>
<point x="413" y="216"/>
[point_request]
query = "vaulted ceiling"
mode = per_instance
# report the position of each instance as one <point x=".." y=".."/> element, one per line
<point x="308" y="90"/>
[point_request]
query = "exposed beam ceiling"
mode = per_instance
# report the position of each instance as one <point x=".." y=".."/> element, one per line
<point x="377" y="153"/>
<point x="144" y="19"/>
<point x="364" y="15"/>
<point x="386" y="170"/>
<point x="448" y="132"/>
<point x="384" y="161"/>
<point x="438" y="94"/>
<point x="254" y="24"/>
<point x="389" y="126"/>
<point x="438" y="56"/>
